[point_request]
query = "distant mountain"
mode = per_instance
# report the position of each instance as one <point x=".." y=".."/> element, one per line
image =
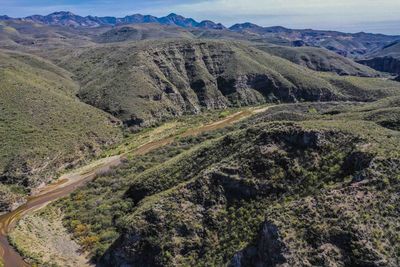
<point x="64" y="18"/>
<point x="5" y="17"/>
<point x="346" y="44"/>
<point x="208" y="24"/>
<point x="358" y="45"/>
<point x="174" y="19"/>
<point x="137" y="18"/>
<point x="254" y="28"/>
<point x="139" y="32"/>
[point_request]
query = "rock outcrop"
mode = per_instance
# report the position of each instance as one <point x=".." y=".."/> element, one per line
<point x="145" y="82"/>
<point x="386" y="64"/>
<point x="204" y="215"/>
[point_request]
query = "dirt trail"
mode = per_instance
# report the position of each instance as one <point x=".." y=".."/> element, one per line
<point x="70" y="182"/>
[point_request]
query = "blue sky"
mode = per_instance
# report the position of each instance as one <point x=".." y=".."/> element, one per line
<point x="345" y="15"/>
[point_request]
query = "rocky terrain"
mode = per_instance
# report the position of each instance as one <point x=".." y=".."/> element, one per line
<point x="386" y="59"/>
<point x="320" y="59"/>
<point x="145" y="82"/>
<point x="277" y="189"/>
<point x="44" y="128"/>
<point x="307" y="176"/>
<point x="45" y="235"/>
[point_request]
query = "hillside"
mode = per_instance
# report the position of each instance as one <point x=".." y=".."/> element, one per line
<point x="306" y="183"/>
<point x="320" y="59"/>
<point x="167" y="141"/>
<point x="271" y="194"/>
<point x="386" y="59"/>
<point x="139" y="32"/>
<point x="345" y="44"/>
<point x="32" y="37"/>
<point x="144" y="82"/>
<point x="44" y="128"/>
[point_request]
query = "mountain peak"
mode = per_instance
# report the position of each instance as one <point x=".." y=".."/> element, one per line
<point x="208" y="24"/>
<point x="246" y="25"/>
<point x="173" y="15"/>
<point x="61" y="13"/>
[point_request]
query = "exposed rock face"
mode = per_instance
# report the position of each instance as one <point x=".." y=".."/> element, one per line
<point x="201" y="211"/>
<point x="262" y="193"/>
<point x="386" y="58"/>
<point x="151" y="81"/>
<point x="386" y="64"/>
<point x="267" y="252"/>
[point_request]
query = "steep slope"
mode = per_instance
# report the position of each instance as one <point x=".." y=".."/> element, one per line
<point x="310" y="192"/>
<point x="43" y="126"/>
<point x="386" y="59"/>
<point x="148" y="81"/>
<point x="263" y="197"/>
<point x="320" y="59"/>
<point x="300" y="184"/>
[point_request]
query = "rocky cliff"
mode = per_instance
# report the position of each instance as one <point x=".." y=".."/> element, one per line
<point x="144" y="82"/>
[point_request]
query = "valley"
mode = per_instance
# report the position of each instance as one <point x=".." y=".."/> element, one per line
<point x="70" y="182"/>
<point x="167" y="141"/>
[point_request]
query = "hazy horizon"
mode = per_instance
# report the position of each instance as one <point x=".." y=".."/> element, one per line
<point x="347" y="16"/>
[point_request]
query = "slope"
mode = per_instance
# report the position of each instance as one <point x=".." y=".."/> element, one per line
<point x="145" y="82"/>
<point x="386" y="59"/>
<point x="273" y="193"/>
<point x="320" y="59"/>
<point x="29" y="37"/>
<point x="346" y="44"/>
<point x="142" y="32"/>
<point x="43" y="126"/>
<point x="301" y="184"/>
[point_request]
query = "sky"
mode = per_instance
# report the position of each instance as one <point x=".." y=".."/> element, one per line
<point x="378" y="16"/>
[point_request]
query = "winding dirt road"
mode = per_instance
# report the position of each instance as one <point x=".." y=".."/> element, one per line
<point x="70" y="182"/>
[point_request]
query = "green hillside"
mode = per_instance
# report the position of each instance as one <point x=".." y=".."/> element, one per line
<point x="144" y="82"/>
<point x="308" y="175"/>
<point x="326" y="170"/>
<point x="320" y="59"/>
<point x="43" y="126"/>
<point x="385" y="59"/>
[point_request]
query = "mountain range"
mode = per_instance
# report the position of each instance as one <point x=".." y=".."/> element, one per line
<point x="347" y="44"/>
<point x="65" y="18"/>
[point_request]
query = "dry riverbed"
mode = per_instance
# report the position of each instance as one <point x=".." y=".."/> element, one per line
<point x="40" y="236"/>
<point x="43" y="238"/>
